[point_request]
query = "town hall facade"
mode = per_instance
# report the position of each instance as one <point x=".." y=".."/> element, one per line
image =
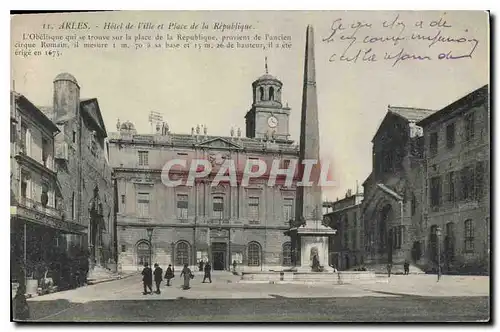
<point x="221" y="224"/>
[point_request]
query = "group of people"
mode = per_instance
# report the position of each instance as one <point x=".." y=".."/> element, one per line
<point x="148" y="275"/>
<point x="406" y="268"/>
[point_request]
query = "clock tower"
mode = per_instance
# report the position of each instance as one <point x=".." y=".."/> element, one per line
<point x="267" y="117"/>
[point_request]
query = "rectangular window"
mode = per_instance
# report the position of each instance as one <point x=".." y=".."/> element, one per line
<point x="218" y="207"/>
<point x="13" y="133"/>
<point x="288" y="210"/>
<point x="124" y="248"/>
<point x="345" y="230"/>
<point x="143" y="158"/>
<point x="143" y="204"/>
<point x="469" y="236"/>
<point x="435" y="191"/>
<point x="450" y="135"/>
<point x="74" y="136"/>
<point x="24" y="185"/>
<point x="286" y="163"/>
<point x="469" y="127"/>
<point x="123" y="199"/>
<point x="451" y="187"/>
<point x="182" y="206"/>
<point x="479" y="180"/>
<point x="433" y="144"/>
<point x="467" y="183"/>
<point x="24" y="138"/>
<point x="45" y="151"/>
<point x="253" y="210"/>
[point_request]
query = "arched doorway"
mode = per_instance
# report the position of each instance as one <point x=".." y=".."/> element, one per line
<point x="182" y="253"/>
<point x="142" y="253"/>
<point x="385" y="238"/>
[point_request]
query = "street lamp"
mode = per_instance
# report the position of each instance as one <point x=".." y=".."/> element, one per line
<point x="150" y="235"/>
<point x="438" y="234"/>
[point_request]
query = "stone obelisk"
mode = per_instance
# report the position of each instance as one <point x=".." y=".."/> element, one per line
<point x="309" y="235"/>
<point x="308" y="198"/>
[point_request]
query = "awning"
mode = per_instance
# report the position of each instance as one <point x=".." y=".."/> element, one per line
<point x="44" y="219"/>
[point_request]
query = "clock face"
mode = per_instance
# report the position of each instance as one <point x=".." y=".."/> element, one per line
<point x="272" y="122"/>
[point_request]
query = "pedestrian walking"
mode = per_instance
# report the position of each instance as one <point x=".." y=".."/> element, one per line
<point x="147" y="279"/>
<point x="200" y="266"/>
<point x="407" y="267"/>
<point x="188" y="275"/>
<point x="158" y="275"/>
<point x="169" y="274"/>
<point x="234" y="266"/>
<point x="389" y="268"/>
<point x="208" y="272"/>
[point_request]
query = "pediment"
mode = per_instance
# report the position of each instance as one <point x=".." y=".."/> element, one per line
<point x="219" y="143"/>
<point x="375" y="196"/>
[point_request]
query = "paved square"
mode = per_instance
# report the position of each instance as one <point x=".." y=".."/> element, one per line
<point x="411" y="298"/>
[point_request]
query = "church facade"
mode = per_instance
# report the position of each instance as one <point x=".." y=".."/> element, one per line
<point x="394" y="226"/>
<point x="220" y="223"/>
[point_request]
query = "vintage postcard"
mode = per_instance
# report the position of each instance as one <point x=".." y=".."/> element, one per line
<point x="250" y="166"/>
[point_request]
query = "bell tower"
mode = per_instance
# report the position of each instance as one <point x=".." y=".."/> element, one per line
<point x="267" y="117"/>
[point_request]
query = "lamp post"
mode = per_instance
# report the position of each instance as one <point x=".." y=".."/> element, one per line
<point x="438" y="235"/>
<point x="150" y="235"/>
<point x="172" y="258"/>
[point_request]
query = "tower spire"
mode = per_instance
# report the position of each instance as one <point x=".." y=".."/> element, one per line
<point x="267" y="71"/>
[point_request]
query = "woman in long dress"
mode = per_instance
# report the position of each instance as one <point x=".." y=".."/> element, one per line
<point x="186" y="272"/>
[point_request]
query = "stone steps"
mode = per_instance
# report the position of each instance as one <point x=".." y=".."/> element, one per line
<point x="344" y="277"/>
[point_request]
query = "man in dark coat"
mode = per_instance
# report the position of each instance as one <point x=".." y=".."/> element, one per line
<point x="158" y="274"/>
<point x="147" y="279"/>
<point x="208" y="271"/>
<point x="407" y="268"/>
<point x="169" y="274"/>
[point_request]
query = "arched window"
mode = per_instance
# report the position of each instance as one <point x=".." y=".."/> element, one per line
<point x="287" y="254"/>
<point x="182" y="253"/>
<point x="143" y="253"/>
<point x="261" y="93"/>
<point x="271" y="93"/>
<point x="253" y="254"/>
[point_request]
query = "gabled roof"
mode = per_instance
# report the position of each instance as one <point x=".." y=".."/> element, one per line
<point x="94" y="113"/>
<point x="409" y="114"/>
<point x="34" y="111"/>
<point x="461" y="105"/>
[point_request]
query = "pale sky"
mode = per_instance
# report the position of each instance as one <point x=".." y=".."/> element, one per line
<point x="213" y="87"/>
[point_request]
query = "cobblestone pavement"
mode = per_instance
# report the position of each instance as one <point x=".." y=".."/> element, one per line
<point x="404" y="297"/>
